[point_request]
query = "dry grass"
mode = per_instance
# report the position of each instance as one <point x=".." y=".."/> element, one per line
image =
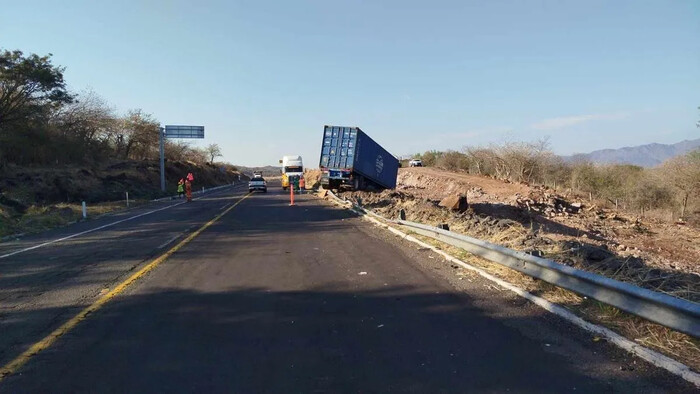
<point x="42" y="218"/>
<point x="674" y="283"/>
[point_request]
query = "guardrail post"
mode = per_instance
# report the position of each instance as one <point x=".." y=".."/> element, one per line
<point x="127" y="199"/>
<point x="84" y="210"/>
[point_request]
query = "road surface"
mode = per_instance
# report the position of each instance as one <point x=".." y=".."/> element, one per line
<point x="273" y="298"/>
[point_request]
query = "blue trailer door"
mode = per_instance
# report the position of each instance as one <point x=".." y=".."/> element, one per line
<point x="338" y="150"/>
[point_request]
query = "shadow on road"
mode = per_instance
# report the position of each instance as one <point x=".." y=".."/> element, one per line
<point x="324" y="338"/>
<point x="258" y="340"/>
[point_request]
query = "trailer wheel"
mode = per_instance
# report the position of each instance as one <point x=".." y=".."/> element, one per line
<point x="359" y="183"/>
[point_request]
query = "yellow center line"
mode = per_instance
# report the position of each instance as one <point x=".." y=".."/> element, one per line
<point x="47" y="341"/>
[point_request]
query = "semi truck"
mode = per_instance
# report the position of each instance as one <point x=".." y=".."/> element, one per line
<point x="292" y="166"/>
<point x="351" y="159"/>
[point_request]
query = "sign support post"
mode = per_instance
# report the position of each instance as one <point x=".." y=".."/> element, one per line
<point x="175" y="132"/>
<point x="161" y="131"/>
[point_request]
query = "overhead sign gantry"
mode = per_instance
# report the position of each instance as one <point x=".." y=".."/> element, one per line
<point x="175" y="131"/>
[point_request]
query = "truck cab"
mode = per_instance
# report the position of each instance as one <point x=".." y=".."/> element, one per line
<point x="292" y="167"/>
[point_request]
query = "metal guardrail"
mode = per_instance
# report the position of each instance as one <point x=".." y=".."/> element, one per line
<point x="678" y="314"/>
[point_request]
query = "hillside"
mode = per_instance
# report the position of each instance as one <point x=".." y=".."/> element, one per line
<point x="267" y="171"/>
<point x="648" y="155"/>
<point x="37" y="198"/>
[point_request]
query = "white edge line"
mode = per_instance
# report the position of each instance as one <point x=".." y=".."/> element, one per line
<point x="41" y="245"/>
<point x="649" y="355"/>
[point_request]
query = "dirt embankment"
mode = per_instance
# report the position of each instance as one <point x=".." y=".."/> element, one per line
<point x="312" y="178"/>
<point x="566" y="228"/>
<point x="34" y="199"/>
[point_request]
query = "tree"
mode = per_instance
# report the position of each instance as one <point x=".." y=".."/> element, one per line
<point x="584" y="178"/>
<point x="137" y="136"/>
<point x="86" y="126"/>
<point x="683" y="173"/>
<point x="429" y="158"/>
<point x="648" y="192"/>
<point x="176" y="150"/>
<point x="481" y="159"/>
<point x="454" y="161"/>
<point x="29" y="86"/>
<point x="213" y="151"/>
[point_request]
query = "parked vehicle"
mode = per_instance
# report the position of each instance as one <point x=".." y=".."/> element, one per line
<point x="415" y="163"/>
<point x="292" y="166"/>
<point x="257" y="183"/>
<point x="350" y="158"/>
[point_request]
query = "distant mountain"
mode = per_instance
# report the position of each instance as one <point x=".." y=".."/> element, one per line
<point x="266" y="170"/>
<point x="648" y="155"/>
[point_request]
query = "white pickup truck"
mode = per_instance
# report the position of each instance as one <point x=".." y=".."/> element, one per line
<point x="257" y="183"/>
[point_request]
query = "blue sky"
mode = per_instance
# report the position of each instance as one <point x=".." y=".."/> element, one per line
<point x="264" y="77"/>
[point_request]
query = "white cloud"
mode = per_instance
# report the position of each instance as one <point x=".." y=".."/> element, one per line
<point x="566" y="121"/>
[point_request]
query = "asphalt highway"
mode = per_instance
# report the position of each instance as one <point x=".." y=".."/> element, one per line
<point x="269" y="297"/>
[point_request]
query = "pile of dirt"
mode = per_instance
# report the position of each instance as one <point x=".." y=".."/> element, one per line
<point x="312" y="177"/>
<point x="390" y="202"/>
<point x="439" y="184"/>
<point x="546" y="203"/>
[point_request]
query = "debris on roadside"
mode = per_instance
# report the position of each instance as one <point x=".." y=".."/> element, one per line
<point x="457" y="203"/>
<point x="547" y="204"/>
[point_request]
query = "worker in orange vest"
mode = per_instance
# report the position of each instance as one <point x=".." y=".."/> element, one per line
<point x="188" y="189"/>
<point x="302" y="185"/>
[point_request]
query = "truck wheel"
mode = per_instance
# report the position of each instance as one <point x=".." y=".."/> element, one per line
<point x="359" y="183"/>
